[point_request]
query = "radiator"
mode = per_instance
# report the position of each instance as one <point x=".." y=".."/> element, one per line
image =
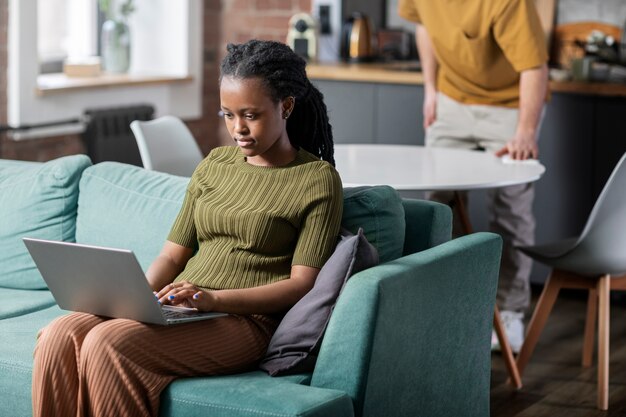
<point x="108" y="136"/>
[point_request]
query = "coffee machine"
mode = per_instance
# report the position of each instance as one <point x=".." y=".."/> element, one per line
<point x="302" y="35"/>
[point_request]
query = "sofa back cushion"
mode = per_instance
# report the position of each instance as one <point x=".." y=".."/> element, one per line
<point x="36" y="200"/>
<point x="379" y="211"/>
<point x="128" y="207"/>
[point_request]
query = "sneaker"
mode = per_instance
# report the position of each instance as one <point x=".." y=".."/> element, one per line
<point x="513" y="328"/>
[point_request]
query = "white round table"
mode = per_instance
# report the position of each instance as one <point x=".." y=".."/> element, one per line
<point x="417" y="168"/>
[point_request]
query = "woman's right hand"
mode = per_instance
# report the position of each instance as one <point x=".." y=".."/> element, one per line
<point x="186" y="294"/>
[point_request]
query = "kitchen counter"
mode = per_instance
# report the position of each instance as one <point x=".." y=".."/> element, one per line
<point x="408" y="73"/>
<point x="378" y="72"/>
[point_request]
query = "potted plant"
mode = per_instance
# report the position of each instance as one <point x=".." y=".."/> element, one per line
<point x="115" y="35"/>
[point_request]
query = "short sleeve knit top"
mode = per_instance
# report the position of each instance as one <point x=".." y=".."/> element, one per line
<point x="250" y="224"/>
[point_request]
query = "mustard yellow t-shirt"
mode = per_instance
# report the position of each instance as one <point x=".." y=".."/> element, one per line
<point x="481" y="45"/>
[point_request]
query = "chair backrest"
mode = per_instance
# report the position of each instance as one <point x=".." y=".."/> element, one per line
<point x="166" y="145"/>
<point x="603" y="240"/>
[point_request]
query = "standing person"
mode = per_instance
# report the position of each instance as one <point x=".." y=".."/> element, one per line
<point x="257" y="223"/>
<point x="485" y="81"/>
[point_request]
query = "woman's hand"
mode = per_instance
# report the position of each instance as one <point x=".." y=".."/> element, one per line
<point x="186" y="294"/>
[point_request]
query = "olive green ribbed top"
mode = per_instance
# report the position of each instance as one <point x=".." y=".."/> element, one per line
<point x="251" y="223"/>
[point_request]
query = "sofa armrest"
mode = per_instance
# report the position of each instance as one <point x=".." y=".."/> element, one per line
<point x="412" y="336"/>
<point x="428" y="224"/>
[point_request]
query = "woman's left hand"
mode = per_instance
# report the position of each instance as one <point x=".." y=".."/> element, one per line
<point x="187" y="295"/>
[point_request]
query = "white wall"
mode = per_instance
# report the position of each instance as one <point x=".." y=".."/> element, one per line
<point x="606" y="11"/>
<point x="167" y="39"/>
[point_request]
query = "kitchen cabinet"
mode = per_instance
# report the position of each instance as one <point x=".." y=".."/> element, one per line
<point x="399" y="118"/>
<point x="581" y="139"/>
<point x="609" y="120"/>
<point x="351" y="109"/>
<point x="363" y="112"/>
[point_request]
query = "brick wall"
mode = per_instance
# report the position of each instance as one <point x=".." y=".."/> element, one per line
<point x="224" y="21"/>
<point x="243" y="20"/>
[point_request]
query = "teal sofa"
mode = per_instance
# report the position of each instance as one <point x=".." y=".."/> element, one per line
<point x="409" y="337"/>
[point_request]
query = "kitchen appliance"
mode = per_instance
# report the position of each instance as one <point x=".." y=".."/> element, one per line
<point x="302" y="35"/>
<point x="357" y="39"/>
<point x="396" y="44"/>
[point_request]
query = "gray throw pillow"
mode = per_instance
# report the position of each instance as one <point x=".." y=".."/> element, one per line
<point x="295" y="343"/>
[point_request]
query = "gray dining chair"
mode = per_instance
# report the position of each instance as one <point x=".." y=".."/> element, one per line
<point x="166" y="145"/>
<point x="596" y="261"/>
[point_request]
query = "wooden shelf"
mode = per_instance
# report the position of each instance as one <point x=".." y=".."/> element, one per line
<point x="48" y="84"/>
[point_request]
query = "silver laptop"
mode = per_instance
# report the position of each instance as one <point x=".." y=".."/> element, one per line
<point x="103" y="281"/>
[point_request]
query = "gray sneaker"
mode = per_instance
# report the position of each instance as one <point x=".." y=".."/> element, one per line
<point x="513" y="324"/>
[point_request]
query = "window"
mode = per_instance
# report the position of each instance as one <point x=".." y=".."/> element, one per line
<point x="166" y="60"/>
<point x="65" y="28"/>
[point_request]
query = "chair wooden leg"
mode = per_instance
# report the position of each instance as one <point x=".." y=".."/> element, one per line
<point x="538" y="319"/>
<point x="590" y="328"/>
<point x="604" y="289"/>
<point x="507" y="353"/>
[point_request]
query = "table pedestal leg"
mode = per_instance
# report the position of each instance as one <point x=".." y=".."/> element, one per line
<point x="505" y="347"/>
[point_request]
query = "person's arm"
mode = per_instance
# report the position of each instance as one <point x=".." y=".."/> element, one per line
<point x="167" y="265"/>
<point x="428" y="62"/>
<point x="265" y="299"/>
<point x="533" y="85"/>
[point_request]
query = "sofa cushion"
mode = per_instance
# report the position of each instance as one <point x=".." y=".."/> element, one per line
<point x="36" y="200"/>
<point x="19" y="302"/>
<point x="128" y="207"/>
<point x="16" y="359"/>
<point x="252" y="394"/>
<point x="379" y="211"/>
<point x="294" y="345"/>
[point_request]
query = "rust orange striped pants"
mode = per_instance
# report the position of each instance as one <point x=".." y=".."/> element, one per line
<point x="91" y="366"/>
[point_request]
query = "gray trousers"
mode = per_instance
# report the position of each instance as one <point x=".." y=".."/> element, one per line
<point x="489" y="128"/>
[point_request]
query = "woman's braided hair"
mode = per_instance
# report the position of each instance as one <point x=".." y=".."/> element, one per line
<point x="283" y="73"/>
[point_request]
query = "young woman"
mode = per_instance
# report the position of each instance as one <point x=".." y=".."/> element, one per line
<point x="257" y="223"/>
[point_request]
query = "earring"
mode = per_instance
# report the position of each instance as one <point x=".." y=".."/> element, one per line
<point x="287" y="113"/>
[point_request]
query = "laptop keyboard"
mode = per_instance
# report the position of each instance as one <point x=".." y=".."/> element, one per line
<point x="173" y="314"/>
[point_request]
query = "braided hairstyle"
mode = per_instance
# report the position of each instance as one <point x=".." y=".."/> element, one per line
<point x="283" y="73"/>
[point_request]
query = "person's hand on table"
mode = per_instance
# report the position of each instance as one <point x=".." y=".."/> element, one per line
<point x="522" y="146"/>
<point x="186" y="294"/>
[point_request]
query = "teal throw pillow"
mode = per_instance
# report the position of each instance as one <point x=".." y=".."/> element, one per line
<point x="36" y="200"/>
<point x="379" y="211"/>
